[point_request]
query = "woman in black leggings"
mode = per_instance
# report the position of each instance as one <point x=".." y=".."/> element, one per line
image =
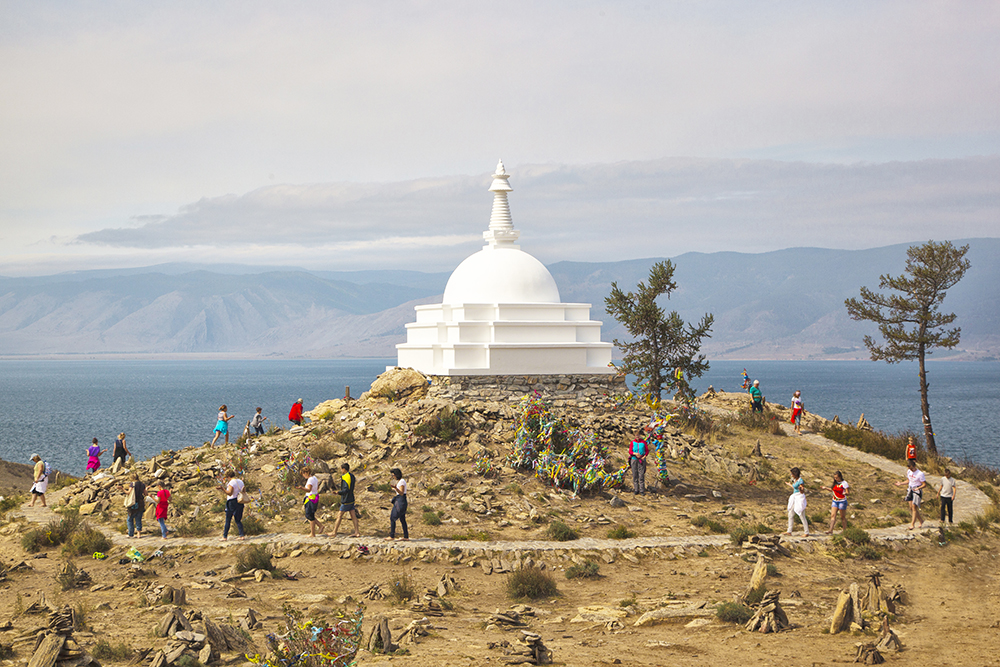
<point x="398" y="505"/>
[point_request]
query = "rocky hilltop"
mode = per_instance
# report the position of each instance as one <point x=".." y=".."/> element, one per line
<point x="634" y="579"/>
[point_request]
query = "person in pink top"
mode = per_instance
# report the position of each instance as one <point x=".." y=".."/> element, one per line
<point x="162" y="501"/>
<point x="94" y="456"/>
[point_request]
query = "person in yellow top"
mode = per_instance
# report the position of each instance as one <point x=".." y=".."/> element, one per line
<point x="41" y="481"/>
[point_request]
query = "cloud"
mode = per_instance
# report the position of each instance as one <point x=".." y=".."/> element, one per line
<point x="600" y="212"/>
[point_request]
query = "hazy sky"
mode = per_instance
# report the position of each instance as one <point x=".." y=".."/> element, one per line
<point x="358" y="135"/>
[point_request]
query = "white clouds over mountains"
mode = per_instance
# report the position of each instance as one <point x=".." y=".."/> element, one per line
<point x="595" y="212"/>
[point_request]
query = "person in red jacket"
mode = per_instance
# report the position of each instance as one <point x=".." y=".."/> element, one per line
<point x="295" y="414"/>
<point x="911" y="450"/>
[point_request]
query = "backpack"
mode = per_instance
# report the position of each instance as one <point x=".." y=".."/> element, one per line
<point x="48" y="470"/>
<point x="639" y="447"/>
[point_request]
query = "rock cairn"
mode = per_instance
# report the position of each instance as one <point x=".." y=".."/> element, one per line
<point x="197" y="637"/>
<point x="769" y="617"/>
<point x="54" y="645"/>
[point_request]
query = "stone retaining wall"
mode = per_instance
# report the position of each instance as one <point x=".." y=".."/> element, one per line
<point x="588" y="393"/>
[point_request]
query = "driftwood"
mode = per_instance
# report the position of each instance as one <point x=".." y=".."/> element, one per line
<point x="48" y="651"/>
<point x="380" y="639"/>
<point x="757" y="578"/>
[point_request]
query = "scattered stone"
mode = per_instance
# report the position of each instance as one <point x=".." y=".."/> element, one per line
<point x="867" y="653"/>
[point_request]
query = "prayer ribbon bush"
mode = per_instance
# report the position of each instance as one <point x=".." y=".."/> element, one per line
<point x="312" y="644"/>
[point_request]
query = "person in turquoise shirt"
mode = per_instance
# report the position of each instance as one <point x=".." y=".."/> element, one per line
<point x="756" y="397"/>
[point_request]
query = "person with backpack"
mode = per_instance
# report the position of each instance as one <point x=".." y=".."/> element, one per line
<point x="41" y="480"/>
<point x="347" y="482"/>
<point x="135" y="504"/>
<point x="637" y="451"/>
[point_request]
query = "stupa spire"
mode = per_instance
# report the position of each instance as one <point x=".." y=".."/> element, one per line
<point x="501" y="232"/>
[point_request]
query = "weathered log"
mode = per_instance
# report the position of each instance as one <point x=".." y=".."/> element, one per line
<point x="842" y="615"/>
<point x="48" y="651"/>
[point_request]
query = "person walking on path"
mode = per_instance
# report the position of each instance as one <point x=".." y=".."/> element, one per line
<point x="134" y="511"/>
<point x="311" y="502"/>
<point x="347" y="482"/>
<point x="911" y="450"/>
<point x="797" y="411"/>
<point x="840" y="489"/>
<point x="398" y="505"/>
<point x="947" y="494"/>
<point x="222" y="425"/>
<point x="797" y="502"/>
<point x="295" y="414"/>
<point x="94" y="456"/>
<point x="121" y="451"/>
<point x="258" y="422"/>
<point x="756" y="397"/>
<point x="162" y="503"/>
<point x="40" y="482"/>
<point x="234" y="509"/>
<point x="637" y="451"/>
<point x="915" y="483"/>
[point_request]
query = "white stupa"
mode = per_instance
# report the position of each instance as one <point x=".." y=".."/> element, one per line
<point x="501" y="315"/>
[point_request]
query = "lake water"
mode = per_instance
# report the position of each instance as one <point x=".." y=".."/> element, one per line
<point x="56" y="407"/>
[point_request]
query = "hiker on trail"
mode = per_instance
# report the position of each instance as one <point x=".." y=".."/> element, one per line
<point x="136" y="506"/>
<point x="347" y="482"/>
<point x="311" y="502"/>
<point x="234" y="509"/>
<point x="162" y="503"/>
<point x="840" y="489"/>
<point x="258" y="422"/>
<point x="121" y="450"/>
<point x="797" y="502"/>
<point x="222" y="425"/>
<point x="756" y="397"/>
<point x="915" y="483"/>
<point x="911" y="450"/>
<point x="797" y="411"/>
<point x="94" y="456"/>
<point x="947" y="493"/>
<point x="637" y="450"/>
<point x="40" y="482"/>
<point x="398" y="505"/>
<point x="295" y="414"/>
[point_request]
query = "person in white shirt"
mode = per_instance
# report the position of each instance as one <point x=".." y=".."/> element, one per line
<point x="311" y="501"/>
<point x="234" y="509"/>
<point x="398" y="505"/>
<point x="915" y="483"/>
<point x="947" y="494"/>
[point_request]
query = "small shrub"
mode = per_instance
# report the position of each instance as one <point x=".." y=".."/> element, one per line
<point x="755" y="595"/>
<point x="741" y="534"/>
<point x="200" y="526"/>
<point x="403" y="589"/>
<point x="856" y="535"/>
<point x="964" y="526"/>
<point x="560" y="532"/>
<point x="514" y="488"/>
<point x="253" y="557"/>
<point x="530" y="583"/>
<point x="772" y="570"/>
<point x="383" y="487"/>
<point x="9" y="503"/>
<point x="588" y="570"/>
<point x="733" y="612"/>
<point x="774" y="427"/>
<point x="620" y="533"/>
<point x="867" y="552"/>
<point x="455" y="478"/>
<point x="52" y="535"/>
<point x="85" y="541"/>
<point x="181" y="503"/>
<point x="627" y="602"/>
<point x="431" y="518"/>
<point x="901" y="513"/>
<point x="345" y="438"/>
<point x="253" y="525"/>
<point x="120" y="652"/>
<point x="322" y="450"/>
<point x="712" y="525"/>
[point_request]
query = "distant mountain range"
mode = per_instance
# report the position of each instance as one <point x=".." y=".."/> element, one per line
<point x="787" y="304"/>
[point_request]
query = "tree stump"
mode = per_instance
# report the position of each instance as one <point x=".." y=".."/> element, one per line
<point x="48" y="651"/>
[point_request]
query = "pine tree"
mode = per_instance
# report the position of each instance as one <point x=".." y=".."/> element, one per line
<point x="909" y="320"/>
<point x="663" y="343"/>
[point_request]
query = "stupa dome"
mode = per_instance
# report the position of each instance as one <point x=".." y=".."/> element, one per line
<point x="501" y="275"/>
<point x="501" y="315"/>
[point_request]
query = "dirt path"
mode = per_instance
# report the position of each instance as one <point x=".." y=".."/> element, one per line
<point x="971" y="501"/>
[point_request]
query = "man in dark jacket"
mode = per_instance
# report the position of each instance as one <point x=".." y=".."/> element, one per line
<point x="347" y="482"/>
